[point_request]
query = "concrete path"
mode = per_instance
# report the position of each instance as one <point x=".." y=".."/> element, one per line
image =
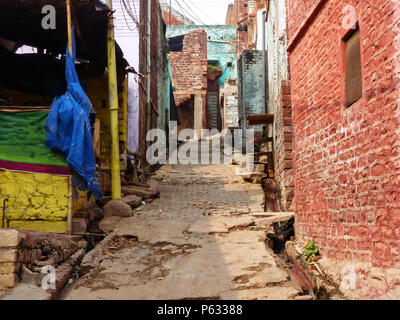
<point x="176" y="257"/>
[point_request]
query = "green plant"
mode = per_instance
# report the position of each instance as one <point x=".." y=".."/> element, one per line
<point x="211" y="68"/>
<point x="311" y="251"/>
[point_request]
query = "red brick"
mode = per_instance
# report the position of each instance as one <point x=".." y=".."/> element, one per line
<point x="346" y="157"/>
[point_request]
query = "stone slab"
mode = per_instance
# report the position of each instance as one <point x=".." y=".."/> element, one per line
<point x="207" y="227"/>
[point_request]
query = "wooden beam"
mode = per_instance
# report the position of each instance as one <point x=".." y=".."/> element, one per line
<point x="263" y="140"/>
<point x="24" y="108"/>
<point x="257" y="119"/>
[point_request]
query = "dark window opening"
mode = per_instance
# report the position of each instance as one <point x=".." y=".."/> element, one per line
<point x="229" y="64"/>
<point x="353" y="68"/>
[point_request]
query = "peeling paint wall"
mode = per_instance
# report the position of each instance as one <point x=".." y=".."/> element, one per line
<point x="278" y="68"/>
<point x="36" y="201"/>
<point x="251" y="97"/>
<point x="279" y="100"/>
<point x="40" y="202"/>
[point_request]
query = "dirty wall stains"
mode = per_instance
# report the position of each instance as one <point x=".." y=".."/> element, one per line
<point x="36" y="201"/>
<point x="98" y="92"/>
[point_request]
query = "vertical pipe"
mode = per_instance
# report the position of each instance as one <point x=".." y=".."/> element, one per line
<point x="70" y="200"/>
<point x="4" y="213"/>
<point x="69" y="26"/>
<point x="70" y="205"/>
<point x="113" y="100"/>
<point x="148" y="67"/>
<point x="264" y="15"/>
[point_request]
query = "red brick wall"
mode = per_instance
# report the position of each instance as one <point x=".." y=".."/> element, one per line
<point x="347" y="160"/>
<point x="186" y="114"/>
<point x="283" y="148"/>
<point x="298" y="12"/>
<point x="233" y="19"/>
<point x="189" y="67"/>
<point x="170" y="19"/>
<point x="231" y="15"/>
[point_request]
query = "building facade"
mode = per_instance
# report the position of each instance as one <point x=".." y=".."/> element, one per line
<point x="344" y="65"/>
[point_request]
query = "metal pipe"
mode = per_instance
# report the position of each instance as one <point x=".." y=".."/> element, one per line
<point x="113" y="100"/>
<point x="264" y="14"/>
<point x="4" y="212"/>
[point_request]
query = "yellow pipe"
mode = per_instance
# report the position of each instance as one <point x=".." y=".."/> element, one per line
<point x="113" y="99"/>
<point x="69" y="26"/>
<point x="70" y="202"/>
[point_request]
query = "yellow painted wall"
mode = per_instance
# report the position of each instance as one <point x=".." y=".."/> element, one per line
<point x="97" y="91"/>
<point x="36" y="201"/>
<point x="40" y="202"/>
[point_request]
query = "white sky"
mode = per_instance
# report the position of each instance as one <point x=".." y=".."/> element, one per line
<point x="199" y="11"/>
<point x="206" y="11"/>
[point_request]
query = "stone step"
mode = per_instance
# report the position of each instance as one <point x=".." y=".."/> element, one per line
<point x="133" y="200"/>
<point x="146" y="193"/>
<point x="268" y="218"/>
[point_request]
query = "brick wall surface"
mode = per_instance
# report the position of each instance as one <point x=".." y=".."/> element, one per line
<point x="189" y="66"/>
<point x="298" y="12"/>
<point x="231" y="15"/>
<point x="186" y="114"/>
<point x="279" y="102"/>
<point x="9" y="241"/>
<point x="283" y="155"/>
<point x="347" y="159"/>
<point x="171" y="19"/>
<point x="235" y="16"/>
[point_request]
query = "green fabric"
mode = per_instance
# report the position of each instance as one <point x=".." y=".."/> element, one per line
<point x="22" y="138"/>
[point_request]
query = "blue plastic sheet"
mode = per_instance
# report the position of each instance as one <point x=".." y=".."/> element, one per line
<point x="68" y="127"/>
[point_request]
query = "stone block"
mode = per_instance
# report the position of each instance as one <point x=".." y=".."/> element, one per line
<point x="132" y="200"/>
<point x="10" y="238"/>
<point x="8" y="267"/>
<point x="117" y="208"/>
<point x="8" y="255"/>
<point x="79" y="225"/>
<point x="8" y="281"/>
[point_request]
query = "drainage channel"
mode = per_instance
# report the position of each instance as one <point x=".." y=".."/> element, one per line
<point x="318" y="287"/>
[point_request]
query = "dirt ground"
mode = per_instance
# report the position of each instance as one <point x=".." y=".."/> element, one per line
<point x="165" y="251"/>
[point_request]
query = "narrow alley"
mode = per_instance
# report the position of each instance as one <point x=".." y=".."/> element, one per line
<point x="225" y="150"/>
<point x="212" y="245"/>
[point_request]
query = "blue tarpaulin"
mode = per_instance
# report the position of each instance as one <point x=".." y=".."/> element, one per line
<point x="68" y="127"/>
